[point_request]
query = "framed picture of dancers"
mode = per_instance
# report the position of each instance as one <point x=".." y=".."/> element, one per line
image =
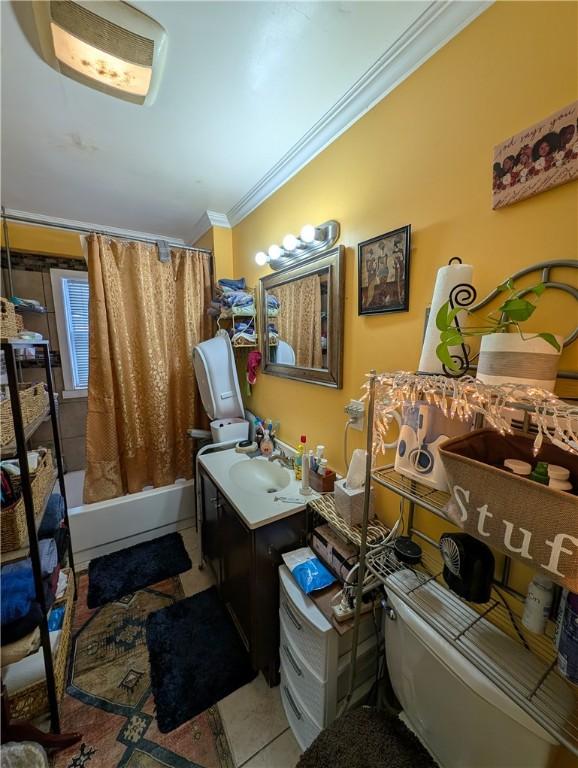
<point x="539" y="158"/>
<point x="383" y="273"/>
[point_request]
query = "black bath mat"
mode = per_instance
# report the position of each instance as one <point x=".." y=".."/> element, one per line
<point x="113" y="576"/>
<point x="366" y="738"/>
<point x="196" y="658"/>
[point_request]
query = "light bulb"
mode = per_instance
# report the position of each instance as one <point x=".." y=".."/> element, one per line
<point x="275" y="251"/>
<point x="308" y="233"/>
<point x="289" y="242"/>
<point x="261" y="258"/>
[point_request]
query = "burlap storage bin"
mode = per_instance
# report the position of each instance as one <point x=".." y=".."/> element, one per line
<point x="519" y="517"/>
<point x="33" y="403"/>
<point x="8" y="324"/>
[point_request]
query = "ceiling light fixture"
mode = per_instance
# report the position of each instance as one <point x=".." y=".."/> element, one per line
<point x="107" y="45"/>
<point x="295" y="249"/>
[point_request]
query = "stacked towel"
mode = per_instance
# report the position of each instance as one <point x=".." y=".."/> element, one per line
<point x="20" y="613"/>
<point x="233" y="297"/>
<point x="53" y="517"/>
<point x="48" y="556"/>
<point x="17" y="591"/>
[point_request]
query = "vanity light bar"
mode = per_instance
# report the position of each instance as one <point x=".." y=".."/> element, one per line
<point x="294" y="249"/>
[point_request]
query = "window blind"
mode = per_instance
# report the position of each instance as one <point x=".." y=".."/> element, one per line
<point x="76" y="307"/>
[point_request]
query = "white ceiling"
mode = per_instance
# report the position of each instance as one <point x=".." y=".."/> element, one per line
<point x="251" y="91"/>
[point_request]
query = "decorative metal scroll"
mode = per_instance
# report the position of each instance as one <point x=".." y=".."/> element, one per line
<point x="464" y="296"/>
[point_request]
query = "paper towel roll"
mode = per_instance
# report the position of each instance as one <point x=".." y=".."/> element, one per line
<point x="447" y="278"/>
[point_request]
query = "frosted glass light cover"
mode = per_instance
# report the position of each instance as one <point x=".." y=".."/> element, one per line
<point x="289" y="242"/>
<point x="100" y="65"/>
<point x="274" y="251"/>
<point x="308" y="233"/>
<point x="261" y="258"/>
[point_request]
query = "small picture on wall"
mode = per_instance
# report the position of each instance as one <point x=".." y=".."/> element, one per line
<point x="537" y="159"/>
<point x="383" y="273"/>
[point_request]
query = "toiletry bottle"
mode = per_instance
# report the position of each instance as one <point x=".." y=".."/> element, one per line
<point x="298" y="463"/>
<point x="538" y="604"/>
<point x="322" y="468"/>
<point x="258" y="431"/>
<point x="266" y="445"/>
<point x="305" y="488"/>
<point x="567" y="638"/>
<point x="540" y="473"/>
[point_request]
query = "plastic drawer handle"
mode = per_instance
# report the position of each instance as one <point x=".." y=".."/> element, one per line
<point x="294" y="664"/>
<point x="289" y="613"/>
<point x="292" y="703"/>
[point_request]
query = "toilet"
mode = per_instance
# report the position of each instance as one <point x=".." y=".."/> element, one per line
<point x="218" y="382"/>
<point x="459" y="715"/>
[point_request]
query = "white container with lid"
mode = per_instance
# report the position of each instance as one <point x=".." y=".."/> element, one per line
<point x="538" y="604"/>
<point x="558" y="473"/>
<point x="560" y="485"/>
<point x="518" y="467"/>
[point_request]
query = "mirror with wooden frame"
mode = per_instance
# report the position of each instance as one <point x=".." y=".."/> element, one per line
<point x="301" y="320"/>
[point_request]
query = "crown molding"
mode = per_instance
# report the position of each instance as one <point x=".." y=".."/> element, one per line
<point x="209" y="219"/>
<point x="433" y="29"/>
<point x="219" y="219"/>
<point x="39" y="220"/>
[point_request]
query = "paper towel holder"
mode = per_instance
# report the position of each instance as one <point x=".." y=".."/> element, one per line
<point x="462" y="296"/>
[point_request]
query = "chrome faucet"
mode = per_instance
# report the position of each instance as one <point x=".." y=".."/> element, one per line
<point x="285" y="461"/>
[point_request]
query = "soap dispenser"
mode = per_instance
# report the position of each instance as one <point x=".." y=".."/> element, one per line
<point x="298" y="463"/>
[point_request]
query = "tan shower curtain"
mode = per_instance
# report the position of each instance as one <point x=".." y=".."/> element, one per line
<point x="299" y="319"/>
<point x="145" y="317"/>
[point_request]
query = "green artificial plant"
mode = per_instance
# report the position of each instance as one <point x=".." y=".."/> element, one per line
<point x="514" y="310"/>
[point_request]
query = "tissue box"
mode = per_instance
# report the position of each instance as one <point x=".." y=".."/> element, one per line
<point x="349" y="503"/>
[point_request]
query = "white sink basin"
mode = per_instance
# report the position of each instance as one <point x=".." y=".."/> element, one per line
<point x="259" y="476"/>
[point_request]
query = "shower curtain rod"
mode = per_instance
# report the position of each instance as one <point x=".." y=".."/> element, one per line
<point x="99" y="231"/>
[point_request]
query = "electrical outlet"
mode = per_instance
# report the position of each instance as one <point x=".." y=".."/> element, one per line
<point x="355" y="409"/>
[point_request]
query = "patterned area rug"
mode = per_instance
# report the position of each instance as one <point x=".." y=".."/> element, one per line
<point x="109" y="698"/>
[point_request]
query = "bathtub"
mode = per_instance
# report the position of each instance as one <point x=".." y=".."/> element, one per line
<point x="106" y="526"/>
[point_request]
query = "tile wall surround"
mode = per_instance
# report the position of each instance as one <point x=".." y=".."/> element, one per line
<point x="31" y="280"/>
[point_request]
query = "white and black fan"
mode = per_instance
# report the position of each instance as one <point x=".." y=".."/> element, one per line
<point x="468" y="566"/>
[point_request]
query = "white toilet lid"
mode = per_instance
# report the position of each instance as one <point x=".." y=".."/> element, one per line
<point x="216" y="372"/>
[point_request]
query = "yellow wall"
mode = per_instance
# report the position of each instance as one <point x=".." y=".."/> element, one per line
<point x="50" y="242"/>
<point x="423" y="157"/>
<point x="220" y="241"/>
<point x="206" y="241"/>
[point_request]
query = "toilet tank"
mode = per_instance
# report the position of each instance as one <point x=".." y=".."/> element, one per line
<point x="463" y="719"/>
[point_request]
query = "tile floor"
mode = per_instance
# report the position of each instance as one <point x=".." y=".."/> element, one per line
<point x="253" y="717"/>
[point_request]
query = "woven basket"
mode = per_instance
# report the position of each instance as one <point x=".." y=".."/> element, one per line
<point x="33" y="403"/>
<point x="519" y="517"/>
<point x="14" y="533"/>
<point x="32" y="701"/>
<point x="19" y="323"/>
<point x="8" y="326"/>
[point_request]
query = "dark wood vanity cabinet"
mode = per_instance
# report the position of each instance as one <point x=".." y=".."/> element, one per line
<point x="246" y="564"/>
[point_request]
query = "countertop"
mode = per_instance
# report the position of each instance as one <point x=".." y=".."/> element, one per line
<point x="256" y="508"/>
